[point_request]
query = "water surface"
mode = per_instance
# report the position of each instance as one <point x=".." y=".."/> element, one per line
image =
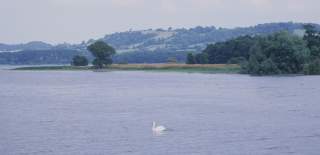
<point x="74" y="112"/>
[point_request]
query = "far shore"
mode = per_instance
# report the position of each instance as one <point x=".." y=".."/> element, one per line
<point x="197" y="68"/>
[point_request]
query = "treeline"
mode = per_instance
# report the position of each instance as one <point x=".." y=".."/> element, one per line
<point x="32" y="57"/>
<point x="278" y="53"/>
<point x="65" y="56"/>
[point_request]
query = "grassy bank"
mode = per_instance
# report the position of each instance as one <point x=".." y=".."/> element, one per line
<point x="208" y="68"/>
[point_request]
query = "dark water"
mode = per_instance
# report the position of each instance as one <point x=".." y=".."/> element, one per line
<point x="112" y="113"/>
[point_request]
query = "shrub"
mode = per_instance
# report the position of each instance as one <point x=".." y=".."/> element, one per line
<point x="79" y="61"/>
<point x="190" y="59"/>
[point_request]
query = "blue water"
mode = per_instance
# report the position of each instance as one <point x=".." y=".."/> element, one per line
<point x="88" y="113"/>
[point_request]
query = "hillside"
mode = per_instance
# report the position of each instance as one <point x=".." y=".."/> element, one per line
<point x="151" y="46"/>
<point x="193" y="39"/>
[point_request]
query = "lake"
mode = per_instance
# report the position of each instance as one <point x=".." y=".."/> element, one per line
<point x="84" y="112"/>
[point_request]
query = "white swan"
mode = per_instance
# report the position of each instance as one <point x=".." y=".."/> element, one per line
<point x="157" y="129"/>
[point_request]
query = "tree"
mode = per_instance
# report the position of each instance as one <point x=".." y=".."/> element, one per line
<point x="312" y="37"/>
<point x="280" y="53"/>
<point x="79" y="61"/>
<point x="222" y="52"/>
<point x="190" y="59"/>
<point x="102" y="52"/>
<point x="201" y="58"/>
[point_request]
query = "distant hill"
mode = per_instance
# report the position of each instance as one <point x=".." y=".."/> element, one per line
<point x="38" y="57"/>
<point x="35" y="45"/>
<point x="193" y="39"/>
<point x="152" y="46"/>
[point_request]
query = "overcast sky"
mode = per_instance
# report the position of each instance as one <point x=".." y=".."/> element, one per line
<point x="57" y="21"/>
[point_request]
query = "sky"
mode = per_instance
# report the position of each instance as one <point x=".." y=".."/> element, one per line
<point x="73" y="21"/>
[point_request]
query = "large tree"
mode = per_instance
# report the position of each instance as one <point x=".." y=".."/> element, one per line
<point x="102" y="53"/>
<point x="280" y="53"/>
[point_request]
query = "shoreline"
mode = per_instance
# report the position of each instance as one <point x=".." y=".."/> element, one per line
<point x="207" y="68"/>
